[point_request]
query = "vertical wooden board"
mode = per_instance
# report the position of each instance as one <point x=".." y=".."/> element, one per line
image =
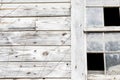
<point x="35" y="53"/>
<point x="94" y="2"/>
<point x="111" y="2"/>
<point x="78" y="55"/>
<point x="47" y="9"/>
<point x="24" y="1"/>
<point x="34" y="69"/>
<point x="35" y="23"/>
<point x="35" y="38"/>
<point x="96" y="20"/>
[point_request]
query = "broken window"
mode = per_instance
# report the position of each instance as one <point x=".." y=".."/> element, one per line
<point x="111" y="16"/>
<point x="95" y="61"/>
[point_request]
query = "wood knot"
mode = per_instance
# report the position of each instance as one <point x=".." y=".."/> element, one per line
<point x="75" y="67"/>
<point x="34" y="42"/>
<point x="63" y="42"/>
<point x="64" y="34"/>
<point x="35" y="50"/>
<point x="45" y="53"/>
<point x="20" y="65"/>
<point x="34" y="65"/>
<point x="28" y="72"/>
<point x="34" y="58"/>
<point x="67" y="64"/>
<point x="16" y="56"/>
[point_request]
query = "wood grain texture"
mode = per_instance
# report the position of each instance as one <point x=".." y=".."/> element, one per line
<point x="47" y="9"/>
<point x="78" y="48"/>
<point x="35" y="53"/>
<point x="35" y="38"/>
<point x="103" y="3"/>
<point x="34" y="69"/>
<point x="35" y="79"/>
<point x="102" y="29"/>
<point x="41" y="23"/>
<point x="27" y="1"/>
<point x="103" y="77"/>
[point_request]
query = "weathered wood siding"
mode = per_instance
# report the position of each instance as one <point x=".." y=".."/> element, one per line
<point x="35" y="40"/>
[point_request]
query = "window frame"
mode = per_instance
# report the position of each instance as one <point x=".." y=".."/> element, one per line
<point x="78" y="38"/>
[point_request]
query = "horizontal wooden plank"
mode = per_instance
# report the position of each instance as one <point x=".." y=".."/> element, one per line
<point x="28" y="38"/>
<point x="47" y="9"/>
<point x="35" y="79"/>
<point x="41" y="23"/>
<point x="102" y="29"/>
<point x="102" y="3"/>
<point x="95" y="72"/>
<point x="35" y="53"/>
<point x="25" y="1"/>
<point x="34" y="69"/>
<point x="103" y="77"/>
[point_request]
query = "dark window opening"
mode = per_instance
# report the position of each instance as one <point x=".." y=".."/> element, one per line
<point x="111" y="16"/>
<point x="95" y="61"/>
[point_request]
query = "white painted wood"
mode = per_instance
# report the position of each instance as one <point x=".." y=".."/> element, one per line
<point x="102" y="3"/>
<point x="111" y="2"/>
<point x="41" y="23"/>
<point x="35" y="53"/>
<point x="103" y="77"/>
<point x="102" y="29"/>
<point x="47" y="9"/>
<point x="94" y="2"/>
<point x="35" y="79"/>
<point x="78" y="55"/>
<point x="57" y="23"/>
<point x="24" y="1"/>
<point x="35" y="38"/>
<point x="34" y="69"/>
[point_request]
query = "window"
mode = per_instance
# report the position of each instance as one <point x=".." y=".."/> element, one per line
<point x="102" y="17"/>
<point x="111" y="16"/>
<point x="95" y="62"/>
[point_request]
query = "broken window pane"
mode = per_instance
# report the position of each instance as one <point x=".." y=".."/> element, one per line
<point x="95" y="61"/>
<point x="94" y="42"/>
<point x="112" y="63"/>
<point x="94" y="17"/>
<point x="111" y="16"/>
<point x="112" y="41"/>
